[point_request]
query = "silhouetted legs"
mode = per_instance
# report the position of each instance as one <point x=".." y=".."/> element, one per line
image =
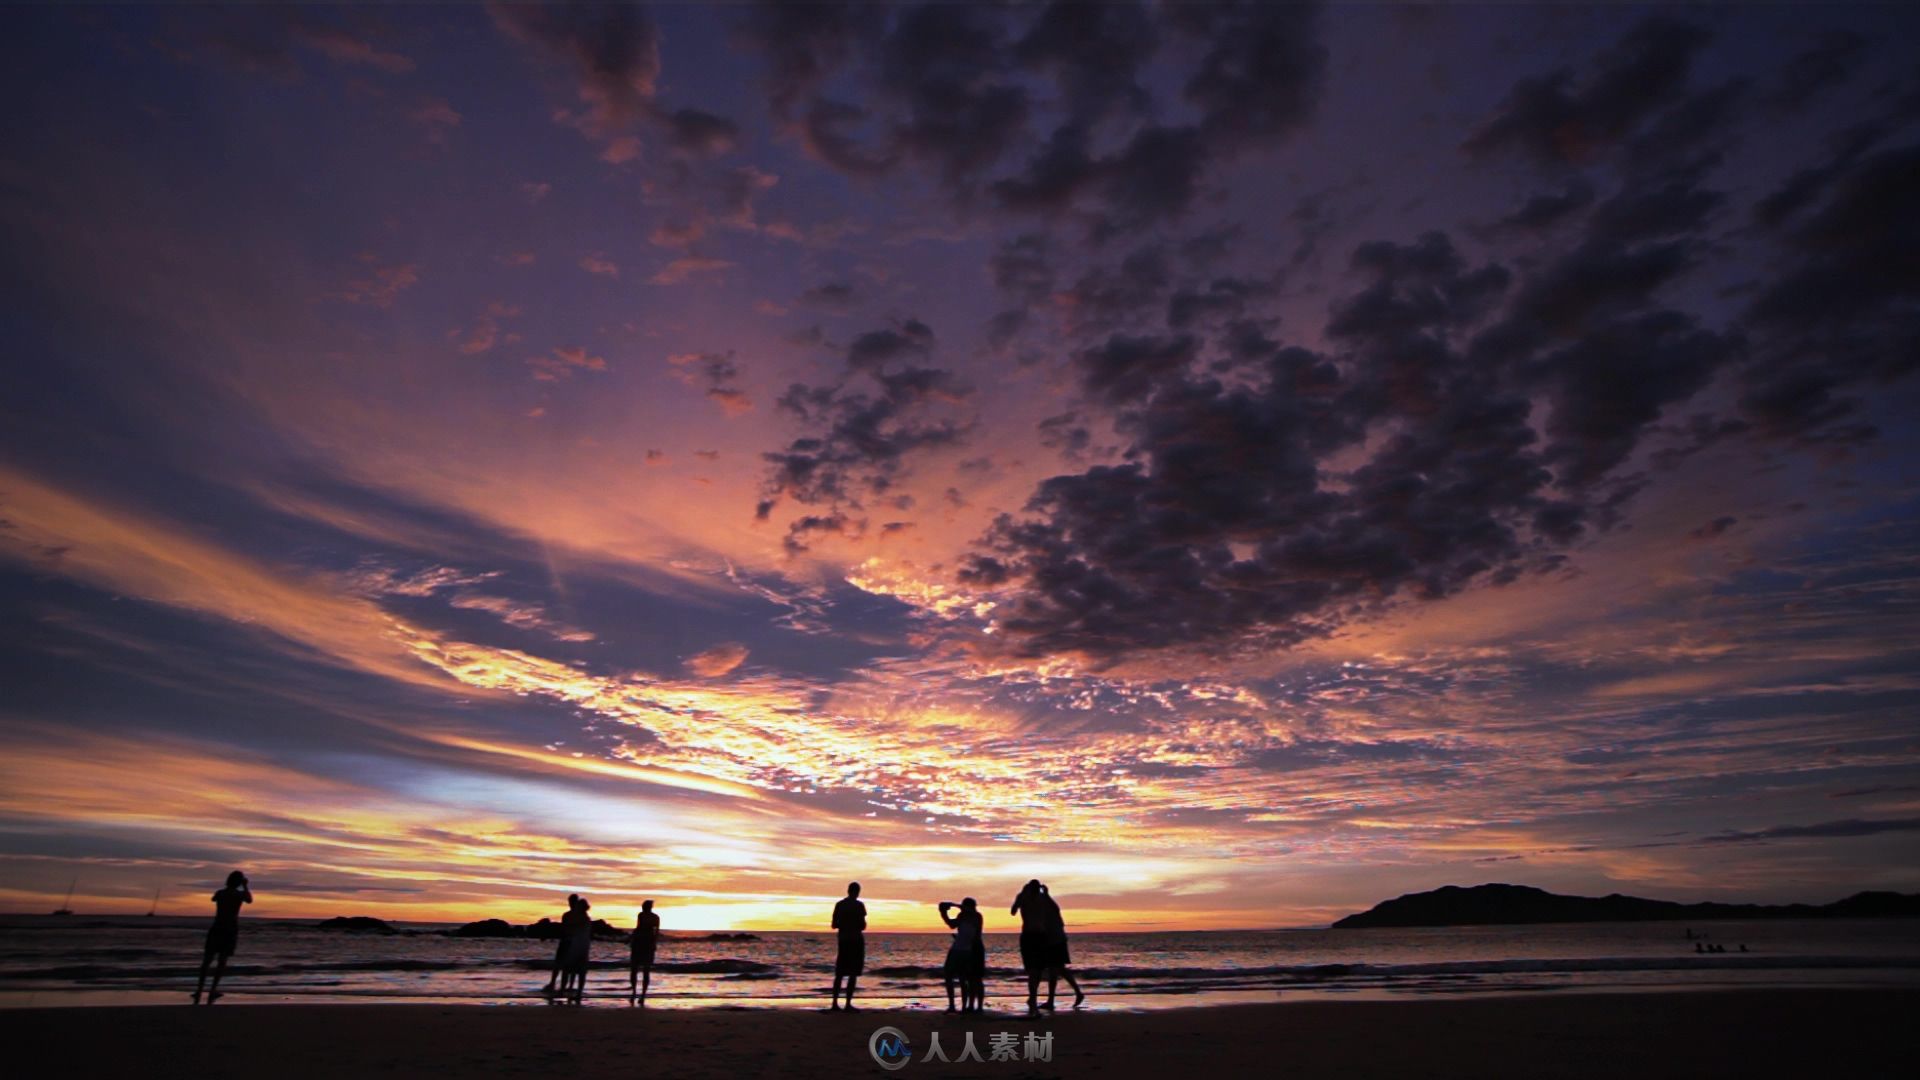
<point x="643" y="972"/>
<point x="567" y="984"/>
<point x="851" y="980"/>
<point x="1054" y="975"/>
<point x="1051" y="975"/>
<point x="218" y="961"/>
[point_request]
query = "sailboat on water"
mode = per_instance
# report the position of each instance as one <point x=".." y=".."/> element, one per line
<point x="155" y="909"/>
<point x="65" y="909"/>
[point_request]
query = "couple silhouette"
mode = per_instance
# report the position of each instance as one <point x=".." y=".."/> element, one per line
<point x="571" y="952"/>
<point x="1043" y="945"/>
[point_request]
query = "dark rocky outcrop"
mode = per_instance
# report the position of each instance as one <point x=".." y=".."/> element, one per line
<point x="488" y="928"/>
<point x="543" y="930"/>
<point x="1497" y="905"/>
<point x="356" y="924"/>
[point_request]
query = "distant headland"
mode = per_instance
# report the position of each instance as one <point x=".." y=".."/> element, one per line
<point x="1498" y="905"/>
<point x="544" y="930"/>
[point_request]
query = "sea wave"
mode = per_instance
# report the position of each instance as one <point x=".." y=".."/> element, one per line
<point x="102" y="972"/>
<point x="1116" y="978"/>
<point x="1322" y="972"/>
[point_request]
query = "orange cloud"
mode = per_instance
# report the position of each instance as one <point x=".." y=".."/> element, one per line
<point x="125" y="552"/>
<point x="717" y="661"/>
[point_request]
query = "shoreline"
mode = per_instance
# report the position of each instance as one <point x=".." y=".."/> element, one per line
<point x="930" y="1002"/>
<point x="1856" y="1032"/>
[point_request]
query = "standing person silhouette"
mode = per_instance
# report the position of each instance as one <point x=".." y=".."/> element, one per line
<point x="850" y="920"/>
<point x="576" y="937"/>
<point x="967" y="956"/>
<point x="224" y="934"/>
<point x="1058" y="960"/>
<point x="646" y="936"/>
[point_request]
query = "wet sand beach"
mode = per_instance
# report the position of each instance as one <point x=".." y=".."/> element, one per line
<point x="1847" y="1033"/>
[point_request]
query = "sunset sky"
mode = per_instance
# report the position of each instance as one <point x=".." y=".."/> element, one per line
<point x="1234" y="464"/>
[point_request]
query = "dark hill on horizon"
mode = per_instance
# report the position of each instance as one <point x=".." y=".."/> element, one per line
<point x="1502" y="905"/>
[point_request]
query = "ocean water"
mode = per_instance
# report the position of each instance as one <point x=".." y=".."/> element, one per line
<point x="81" y="960"/>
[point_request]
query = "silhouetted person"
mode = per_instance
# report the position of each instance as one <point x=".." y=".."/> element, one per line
<point x="1743" y="946"/>
<point x="1059" y="959"/>
<point x="967" y="956"/>
<point x="1699" y="947"/>
<point x="646" y="936"/>
<point x="223" y="935"/>
<point x="576" y="936"/>
<point x="850" y="921"/>
<point x="560" y="948"/>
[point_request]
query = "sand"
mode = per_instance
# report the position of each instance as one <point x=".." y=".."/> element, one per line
<point x="1697" y="1033"/>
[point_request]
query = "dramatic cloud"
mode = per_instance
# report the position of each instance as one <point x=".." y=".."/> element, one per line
<point x="1564" y="118"/>
<point x="611" y="53"/>
<point x="864" y="429"/>
<point x="1464" y="424"/>
<point x="1846" y="312"/>
<point x="1365" y="443"/>
<point x="957" y="90"/>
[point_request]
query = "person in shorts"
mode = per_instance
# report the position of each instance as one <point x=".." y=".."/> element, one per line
<point x="850" y="922"/>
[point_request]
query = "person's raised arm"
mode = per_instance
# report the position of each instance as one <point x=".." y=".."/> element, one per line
<point x="246" y="895"/>
<point x="952" y="923"/>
